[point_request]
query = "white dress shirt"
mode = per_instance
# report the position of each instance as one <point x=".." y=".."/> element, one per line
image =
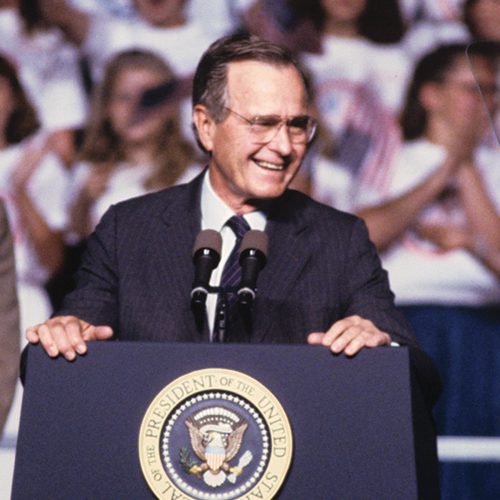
<point x="214" y="214"/>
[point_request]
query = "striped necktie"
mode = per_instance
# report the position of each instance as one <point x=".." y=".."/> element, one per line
<point x="231" y="276"/>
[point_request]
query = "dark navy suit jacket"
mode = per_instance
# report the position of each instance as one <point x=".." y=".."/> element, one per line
<point x="137" y="272"/>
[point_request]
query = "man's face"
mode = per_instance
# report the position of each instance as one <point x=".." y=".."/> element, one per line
<point x="243" y="170"/>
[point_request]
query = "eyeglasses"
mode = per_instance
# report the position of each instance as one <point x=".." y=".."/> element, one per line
<point x="301" y="129"/>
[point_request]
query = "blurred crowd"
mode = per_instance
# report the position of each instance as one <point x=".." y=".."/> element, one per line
<point x="94" y="109"/>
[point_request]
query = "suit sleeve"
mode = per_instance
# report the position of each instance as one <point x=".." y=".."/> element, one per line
<point x="368" y="293"/>
<point x="96" y="298"/>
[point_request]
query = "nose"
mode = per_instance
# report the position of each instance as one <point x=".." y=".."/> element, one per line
<point x="281" y="142"/>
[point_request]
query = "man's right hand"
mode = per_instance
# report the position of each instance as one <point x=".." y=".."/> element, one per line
<point x="66" y="335"/>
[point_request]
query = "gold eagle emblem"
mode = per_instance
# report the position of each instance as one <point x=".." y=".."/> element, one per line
<point x="216" y="436"/>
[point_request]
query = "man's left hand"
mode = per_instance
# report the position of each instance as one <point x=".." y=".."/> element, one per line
<point x="350" y="335"/>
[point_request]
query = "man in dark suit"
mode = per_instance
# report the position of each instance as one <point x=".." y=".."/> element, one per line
<point x="322" y="284"/>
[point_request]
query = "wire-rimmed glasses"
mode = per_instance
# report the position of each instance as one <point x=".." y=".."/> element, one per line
<point x="301" y="129"/>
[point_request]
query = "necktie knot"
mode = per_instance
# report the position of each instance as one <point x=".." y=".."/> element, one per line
<point x="239" y="226"/>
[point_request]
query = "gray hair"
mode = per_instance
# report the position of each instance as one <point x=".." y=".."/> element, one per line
<point x="210" y="79"/>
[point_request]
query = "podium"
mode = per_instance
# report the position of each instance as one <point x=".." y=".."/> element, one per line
<point x="362" y="426"/>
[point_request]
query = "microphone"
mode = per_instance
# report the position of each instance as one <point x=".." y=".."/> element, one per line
<point x="206" y="257"/>
<point x="253" y="257"/>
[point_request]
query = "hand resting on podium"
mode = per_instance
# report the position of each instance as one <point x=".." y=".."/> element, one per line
<point x="67" y="336"/>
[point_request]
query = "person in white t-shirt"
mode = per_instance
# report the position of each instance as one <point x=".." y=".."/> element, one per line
<point x="33" y="185"/>
<point x="359" y="80"/>
<point x="360" y="45"/>
<point x="161" y="26"/>
<point x="48" y="67"/>
<point x="128" y="150"/>
<point x="437" y="224"/>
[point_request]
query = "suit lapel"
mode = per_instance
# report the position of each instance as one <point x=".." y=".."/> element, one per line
<point x="287" y="229"/>
<point x="180" y="223"/>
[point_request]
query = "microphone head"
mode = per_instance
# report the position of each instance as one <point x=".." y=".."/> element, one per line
<point x="208" y="239"/>
<point x="256" y="241"/>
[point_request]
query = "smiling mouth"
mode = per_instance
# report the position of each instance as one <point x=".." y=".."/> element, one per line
<point x="270" y="166"/>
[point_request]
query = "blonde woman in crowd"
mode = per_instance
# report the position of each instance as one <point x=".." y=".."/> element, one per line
<point x="129" y="151"/>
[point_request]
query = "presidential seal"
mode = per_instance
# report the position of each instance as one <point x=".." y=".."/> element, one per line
<point x="215" y="434"/>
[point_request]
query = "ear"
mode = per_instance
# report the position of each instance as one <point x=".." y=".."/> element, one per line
<point x="205" y="126"/>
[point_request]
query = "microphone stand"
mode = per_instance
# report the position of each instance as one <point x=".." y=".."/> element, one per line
<point x="221" y="316"/>
<point x="221" y="325"/>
